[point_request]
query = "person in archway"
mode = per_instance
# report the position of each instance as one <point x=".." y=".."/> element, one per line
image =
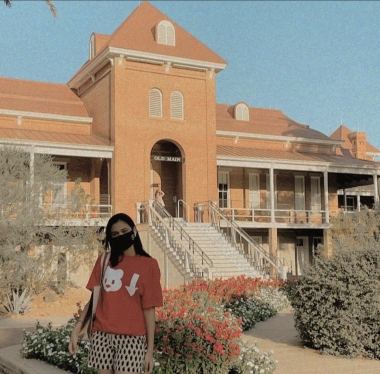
<point x="158" y="197"/>
<point x="122" y="334"/>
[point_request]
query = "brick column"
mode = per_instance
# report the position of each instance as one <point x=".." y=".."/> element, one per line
<point x="327" y="244"/>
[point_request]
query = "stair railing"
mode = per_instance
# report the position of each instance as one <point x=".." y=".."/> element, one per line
<point x="260" y="260"/>
<point x="174" y="236"/>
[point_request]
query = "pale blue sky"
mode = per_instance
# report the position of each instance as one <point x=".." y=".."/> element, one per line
<point x="318" y="62"/>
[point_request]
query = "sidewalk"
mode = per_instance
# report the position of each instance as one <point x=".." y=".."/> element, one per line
<point x="276" y="334"/>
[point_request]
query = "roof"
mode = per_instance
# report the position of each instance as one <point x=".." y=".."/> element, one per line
<point x="50" y="137"/>
<point x="341" y="133"/>
<point x="137" y="33"/>
<point x="245" y="152"/>
<point x="40" y="97"/>
<point x="264" y="122"/>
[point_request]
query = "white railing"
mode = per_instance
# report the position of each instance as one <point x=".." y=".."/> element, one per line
<point x="260" y="260"/>
<point x="193" y="258"/>
<point x="280" y="215"/>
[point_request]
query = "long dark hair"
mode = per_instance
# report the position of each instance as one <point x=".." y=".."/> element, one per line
<point x="115" y="255"/>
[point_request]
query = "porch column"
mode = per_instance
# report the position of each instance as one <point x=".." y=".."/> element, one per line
<point x="358" y="203"/>
<point x="273" y="250"/>
<point x="271" y="188"/>
<point x="326" y="195"/>
<point x="376" y="190"/>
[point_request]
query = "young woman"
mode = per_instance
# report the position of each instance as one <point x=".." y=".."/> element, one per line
<point x="123" y="331"/>
<point x="158" y="197"/>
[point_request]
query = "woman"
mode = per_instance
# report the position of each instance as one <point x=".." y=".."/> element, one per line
<point x="123" y="331"/>
<point x="158" y="197"/>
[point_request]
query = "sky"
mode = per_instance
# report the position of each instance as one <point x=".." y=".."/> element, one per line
<point x="316" y="61"/>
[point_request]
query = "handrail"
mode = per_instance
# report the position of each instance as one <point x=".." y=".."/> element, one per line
<point x="165" y="218"/>
<point x="187" y="209"/>
<point x="260" y="259"/>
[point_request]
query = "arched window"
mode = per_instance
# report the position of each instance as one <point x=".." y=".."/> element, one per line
<point x="241" y="112"/>
<point x="176" y="105"/>
<point x="155" y="103"/>
<point x="165" y="33"/>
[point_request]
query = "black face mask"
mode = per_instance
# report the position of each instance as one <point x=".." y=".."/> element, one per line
<point x="122" y="242"/>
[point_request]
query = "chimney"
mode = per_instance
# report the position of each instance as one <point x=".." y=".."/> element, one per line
<point x="358" y="141"/>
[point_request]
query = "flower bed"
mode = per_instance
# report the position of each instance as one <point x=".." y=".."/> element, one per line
<point x="198" y="330"/>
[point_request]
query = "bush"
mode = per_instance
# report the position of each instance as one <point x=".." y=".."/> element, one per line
<point x="337" y="302"/>
<point x="50" y="345"/>
<point x="195" y="334"/>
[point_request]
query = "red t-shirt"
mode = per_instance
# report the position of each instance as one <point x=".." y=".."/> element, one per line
<point x="128" y="288"/>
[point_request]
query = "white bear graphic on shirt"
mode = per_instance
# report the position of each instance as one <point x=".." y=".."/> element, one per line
<point x="112" y="279"/>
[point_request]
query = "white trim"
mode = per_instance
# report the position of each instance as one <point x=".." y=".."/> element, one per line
<point x="234" y="134"/>
<point x="96" y="63"/>
<point x="58" y="149"/>
<point x="45" y="116"/>
<point x="295" y="165"/>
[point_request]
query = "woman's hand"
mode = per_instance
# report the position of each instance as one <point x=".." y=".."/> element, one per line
<point x="73" y="344"/>
<point x="149" y="362"/>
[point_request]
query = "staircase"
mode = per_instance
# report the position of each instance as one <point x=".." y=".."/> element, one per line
<point x="227" y="260"/>
<point x="217" y="248"/>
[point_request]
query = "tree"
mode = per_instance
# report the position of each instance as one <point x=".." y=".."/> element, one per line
<point x="39" y="244"/>
<point x="50" y="4"/>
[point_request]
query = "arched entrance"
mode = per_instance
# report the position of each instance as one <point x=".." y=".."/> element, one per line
<point x="166" y="173"/>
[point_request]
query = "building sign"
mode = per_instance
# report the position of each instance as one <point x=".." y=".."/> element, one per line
<point x="167" y="158"/>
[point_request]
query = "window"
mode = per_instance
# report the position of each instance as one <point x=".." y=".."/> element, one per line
<point x="299" y="192"/>
<point x="223" y="189"/>
<point x="155" y="103"/>
<point x="315" y="194"/>
<point x="165" y="33"/>
<point x="254" y="190"/>
<point x="241" y="112"/>
<point x="176" y="105"/>
<point x="58" y="191"/>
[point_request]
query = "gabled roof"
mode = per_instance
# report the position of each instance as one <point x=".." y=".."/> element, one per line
<point x="264" y="122"/>
<point x="341" y="133"/>
<point x="137" y="33"/>
<point x="40" y="97"/>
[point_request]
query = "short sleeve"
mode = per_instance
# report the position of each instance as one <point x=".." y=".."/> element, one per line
<point x="95" y="275"/>
<point x="152" y="296"/>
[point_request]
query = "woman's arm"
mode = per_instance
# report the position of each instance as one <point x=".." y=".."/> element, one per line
<point x="73" y="344"/>
<point x="150" y="323"/>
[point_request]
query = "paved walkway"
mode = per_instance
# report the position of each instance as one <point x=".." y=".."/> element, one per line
<point x="279" y="335"/>
<point x="276" y="334"/>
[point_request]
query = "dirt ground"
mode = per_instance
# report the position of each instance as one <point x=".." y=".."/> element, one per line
<point x="59" y="305"/>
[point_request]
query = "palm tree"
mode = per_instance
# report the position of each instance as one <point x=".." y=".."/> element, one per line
<point x="50" y="4"/>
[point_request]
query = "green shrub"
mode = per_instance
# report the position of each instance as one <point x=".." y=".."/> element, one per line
<point x="337" y="302"/>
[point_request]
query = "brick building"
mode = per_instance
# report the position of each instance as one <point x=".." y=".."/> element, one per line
<point x="141" y="114"/>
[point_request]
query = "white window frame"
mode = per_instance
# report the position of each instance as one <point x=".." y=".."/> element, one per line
<point x="241" y="112"/>
<point x="299" y="192"/>
<point x="165" y="32"/>
<point x="254" y="190"/>
<point x="176" y="105"/>
<point x="155" y="103"/>
<point x="63" y="199"/>
<point x="224" y="195"/>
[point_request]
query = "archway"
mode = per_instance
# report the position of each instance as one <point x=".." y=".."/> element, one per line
<point x="166" y="173"/>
